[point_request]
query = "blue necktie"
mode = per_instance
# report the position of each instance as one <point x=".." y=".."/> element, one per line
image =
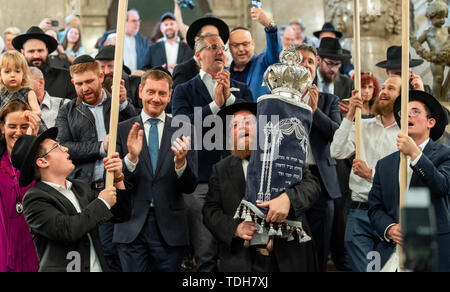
<point x="326" y="88"/>
<point x="153" y="143"/>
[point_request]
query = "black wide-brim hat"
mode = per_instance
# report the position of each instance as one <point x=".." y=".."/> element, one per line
<point x="437" y="111"/>
<point x="394" y="59"/>
<point x="194" y="28"/>
<point x="331" y="48"/>
<point x="35" y="33"/>
<point x="24" y="154"/>
<point x="236" y="107"/>
<point x="107" y="53"/>
<point x="328" y="27"/>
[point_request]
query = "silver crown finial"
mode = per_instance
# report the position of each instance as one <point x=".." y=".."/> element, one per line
<point x="288" y="77"/>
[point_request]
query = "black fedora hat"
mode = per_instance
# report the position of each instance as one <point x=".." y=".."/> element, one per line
<point x="23" y="155"/>
<point x="328" y="27"/>
<point x="35" y="32"/>
<point x="437" y="111"/>
<point x="224" y="30"/>
<point x="394" y="59"/>
<point x="107" y="53"/>
<point x="331" y="48"/>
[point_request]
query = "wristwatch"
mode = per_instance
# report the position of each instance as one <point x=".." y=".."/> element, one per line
<point x="272" y="25"/>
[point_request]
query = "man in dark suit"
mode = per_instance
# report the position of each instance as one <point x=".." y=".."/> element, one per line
<point x="226" y="190"/>
<point x="155" y="237"/>
<point x="136" y="45"/>
<point x="199" y="99"/>
<point x="429" y="167"/>
<point x="171" y="50"/>
<point x="64" y="214"/>
<point x="35" y="45"/>
<point x="190" y="68"/>
<point x="326" y="120"/>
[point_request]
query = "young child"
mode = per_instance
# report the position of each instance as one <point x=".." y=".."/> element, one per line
<point x="15" y="81"/>
<point x="437" y="38"/>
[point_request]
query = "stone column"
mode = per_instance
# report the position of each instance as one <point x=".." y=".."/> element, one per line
<point x="93" y="19"/>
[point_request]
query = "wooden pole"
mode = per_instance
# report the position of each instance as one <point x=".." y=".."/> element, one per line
<point x="118" y="67"/>
<point x="404" y="114"/>
<point x="357" y="60"/>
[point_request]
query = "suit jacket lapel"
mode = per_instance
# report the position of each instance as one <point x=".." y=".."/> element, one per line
<point x="201" y="89"/>
<point x="163" y="55"/>
<point x="165" y="144"/>
<point x="428" y="151"/>
<point x="236" y="173"/>
<point x="59" y="197"/>
<point x="181" y="51"/>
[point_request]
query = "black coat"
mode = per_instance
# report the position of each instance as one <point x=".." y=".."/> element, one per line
<point x="226" y="190"/>
<point x="58" y="229"/>
<point x="58" y="83"/>
<point x="77" y="131"/>
<point x="185" y="72"/>
<point x="156" y="55"/>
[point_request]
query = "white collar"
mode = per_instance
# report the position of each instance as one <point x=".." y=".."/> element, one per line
<point x="46" y="100"/>
<point x="145" y="117"/>
<point x="424" y="144"/>
<point x="59" y="187"/>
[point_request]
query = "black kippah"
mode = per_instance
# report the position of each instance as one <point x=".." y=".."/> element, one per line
<point x="83" y="59"/>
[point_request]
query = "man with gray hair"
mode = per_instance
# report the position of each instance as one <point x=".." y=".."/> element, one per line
<point x="136" y="45"/>
<point x="49" y="105"/>
<point x="206" y="94"/>
<point x="9" y="34"/>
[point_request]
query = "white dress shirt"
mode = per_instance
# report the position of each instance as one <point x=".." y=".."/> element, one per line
<point x="377" y="143"/>
<point x="162" y="121"/>
<point x="211" y="85"/>
<point x="94" y="261"/>
<point x="171" y="53"/>
<point x="129" y="53"/>
<point x="245" y="163"/>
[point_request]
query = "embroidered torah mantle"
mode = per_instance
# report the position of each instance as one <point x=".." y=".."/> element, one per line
<point x="284" y="124"/>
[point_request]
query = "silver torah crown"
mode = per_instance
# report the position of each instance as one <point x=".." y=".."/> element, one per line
<point x="288" y="77"/>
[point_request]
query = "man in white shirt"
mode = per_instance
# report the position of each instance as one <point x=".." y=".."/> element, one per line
<point x="49" y="105"/>
<point x="171" y="50"/>
<point x="64" y="214"/>
<point x="379" y="137"/>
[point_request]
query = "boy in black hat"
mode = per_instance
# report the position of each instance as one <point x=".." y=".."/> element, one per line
<point x="429" y="167"/>
<point x="64" y="214"/>
<point x="35" y="45"/>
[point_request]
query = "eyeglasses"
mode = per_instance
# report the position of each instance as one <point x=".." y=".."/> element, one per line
<point x="332" y="65"/>
<point x="215" y="47"/>
<point x="367" y="73"/>
<point x="413" y="113"/>
<point x="237" y="45"/>
<point x="57" y="145"/>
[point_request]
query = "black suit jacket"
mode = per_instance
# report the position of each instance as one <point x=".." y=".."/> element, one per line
<point x="326" y="121"/>
<point x="58" y="229"/>
<point x="164" y="187"/>
<point x="192" y="98"/>
<point x="156" y="55"/>
<point x="226" y="190"/>
<point x="343" y="86"/>
<point x="185" y="72"/>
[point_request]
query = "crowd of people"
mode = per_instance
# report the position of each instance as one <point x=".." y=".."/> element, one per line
<point x="173" y="203"/>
